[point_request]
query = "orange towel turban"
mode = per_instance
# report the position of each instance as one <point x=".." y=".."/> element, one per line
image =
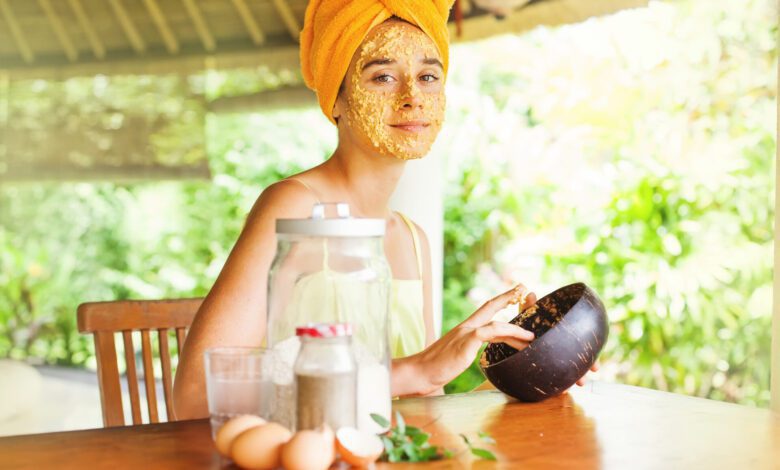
<point x="334" y="29"/>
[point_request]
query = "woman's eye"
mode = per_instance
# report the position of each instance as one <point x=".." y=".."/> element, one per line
<point x="384" y="78"/>
<point x="429" y="77"/>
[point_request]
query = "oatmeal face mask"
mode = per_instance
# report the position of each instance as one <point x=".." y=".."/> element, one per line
<point x="395" y="95"/>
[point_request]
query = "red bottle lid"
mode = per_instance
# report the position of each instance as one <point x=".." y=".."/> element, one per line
<point x="324" y="330"/>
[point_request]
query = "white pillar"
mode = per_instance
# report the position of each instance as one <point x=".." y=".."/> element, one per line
<point x="774" y="372"/>
<point x="420" y="196"/>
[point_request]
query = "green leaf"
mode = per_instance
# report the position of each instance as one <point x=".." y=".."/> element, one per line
<point x="395" y="454"/>
<point x="413" y="431"/>
<point x="380" y="420"/>
<point x="486" y="437"/>
<point x="429" y="453"/>
<point x="420" y="439"/>
<point x="483" y="453"/>
<point x="411" y="452"/>
<point x="448" y="454"/>
<point x="400" y="424"/>
<point x="387" y="443"/>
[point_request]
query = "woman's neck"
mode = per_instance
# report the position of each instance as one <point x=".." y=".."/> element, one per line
<point x="369" y="180"/>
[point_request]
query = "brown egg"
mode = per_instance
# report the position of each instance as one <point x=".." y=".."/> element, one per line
<point x="260" y="447"/>
<point x="309" y="450"/>
<point x="232" y="429"/>
<point x="328" y="434"/>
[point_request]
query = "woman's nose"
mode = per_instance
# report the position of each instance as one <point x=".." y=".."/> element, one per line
<point x="411" y="95"/>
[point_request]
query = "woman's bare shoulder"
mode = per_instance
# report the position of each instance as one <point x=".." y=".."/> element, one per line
<point x="285" y="198"/>
<point x="417" y="227"/>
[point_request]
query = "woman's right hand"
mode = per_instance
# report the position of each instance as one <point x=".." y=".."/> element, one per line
<point x="454" y="352"/>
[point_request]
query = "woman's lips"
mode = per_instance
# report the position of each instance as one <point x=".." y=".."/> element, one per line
<point x="411" y="126"/>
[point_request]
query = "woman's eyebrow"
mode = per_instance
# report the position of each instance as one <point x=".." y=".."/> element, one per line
<point x="432" y="61"/>
<point x="386" y="61"/>
<point x="371" y="63"/>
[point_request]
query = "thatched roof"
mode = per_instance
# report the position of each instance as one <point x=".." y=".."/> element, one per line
<point x="61" y="38"/>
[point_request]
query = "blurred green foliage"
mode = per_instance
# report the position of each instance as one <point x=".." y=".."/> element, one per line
<point x="646" y="170"/>
<point x="633" y="152"/>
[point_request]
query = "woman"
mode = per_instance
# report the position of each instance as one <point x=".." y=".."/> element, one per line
<point x="379" y="74"/>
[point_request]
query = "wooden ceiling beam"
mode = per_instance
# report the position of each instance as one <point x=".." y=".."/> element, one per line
<point x="204" y="33"/>
<point x="272" y="100"/>
<point x="171" y="43"/>
<point x="284" y="10"/>
<point x="59" y="29"/>
<point x="17" y="33"/>
<point x="161" y="63"/>
<point x="249" y="22"/>
<point x="94" y="41"/>
<point x="548" y="13"/>
<point x="127" y="26"/>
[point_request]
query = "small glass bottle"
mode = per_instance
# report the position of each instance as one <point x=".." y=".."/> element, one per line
<point x="325" y="377"/>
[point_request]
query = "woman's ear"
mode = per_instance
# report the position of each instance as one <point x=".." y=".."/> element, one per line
<point x="338" y="109"/>
<point x="338" y="106"/>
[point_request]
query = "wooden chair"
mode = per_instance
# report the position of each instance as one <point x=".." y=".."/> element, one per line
<point x="104" y="319"/>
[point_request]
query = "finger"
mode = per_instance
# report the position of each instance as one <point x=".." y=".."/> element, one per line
<point x="581" y="382"/>
<point x="530" y="300"/>
<point x="496" y="331"/>
<point x="520" y="292"/>
<point x="515" y="343"/>
<point x="489" y="309"/>
<point x="595" y="366"/>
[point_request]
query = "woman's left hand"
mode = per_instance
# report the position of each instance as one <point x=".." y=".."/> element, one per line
<point x="451" y="354"/>
<point x="593" y="368"/>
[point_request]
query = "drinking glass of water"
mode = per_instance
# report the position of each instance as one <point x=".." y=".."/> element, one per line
<point x="238" y="382"/>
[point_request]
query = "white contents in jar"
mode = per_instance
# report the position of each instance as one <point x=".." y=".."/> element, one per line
<point x="373" y="386"/>
<point x="373" y="396"/>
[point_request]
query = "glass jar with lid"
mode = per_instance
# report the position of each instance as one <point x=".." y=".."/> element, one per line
<point x="331" y="268"/>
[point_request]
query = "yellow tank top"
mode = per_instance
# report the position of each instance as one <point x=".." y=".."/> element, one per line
<point x="407" y="326"/>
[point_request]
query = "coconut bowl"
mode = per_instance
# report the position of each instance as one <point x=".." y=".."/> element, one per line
<point x="570" y="327"/>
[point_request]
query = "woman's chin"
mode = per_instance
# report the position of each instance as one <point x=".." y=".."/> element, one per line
<point x="413" y="152"/>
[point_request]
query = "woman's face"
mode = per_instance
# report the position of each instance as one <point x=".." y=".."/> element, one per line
<point x="393" y="96"/>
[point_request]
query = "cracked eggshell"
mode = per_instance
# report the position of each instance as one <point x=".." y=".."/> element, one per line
<point x="571" y="328"/>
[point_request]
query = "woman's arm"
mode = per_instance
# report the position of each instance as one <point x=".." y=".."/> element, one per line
<point x="234" y="311"/>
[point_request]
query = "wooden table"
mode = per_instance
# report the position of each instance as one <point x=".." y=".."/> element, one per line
<point x="598" y="426"/>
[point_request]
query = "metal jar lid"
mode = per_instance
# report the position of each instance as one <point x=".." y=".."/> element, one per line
<point x="343" y="225"/>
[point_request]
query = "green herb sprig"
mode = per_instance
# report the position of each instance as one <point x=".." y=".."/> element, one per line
<point x="404" y="443"/>
<point x="477" y="451"/>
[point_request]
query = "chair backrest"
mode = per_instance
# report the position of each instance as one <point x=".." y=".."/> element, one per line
<point x="104" y="319"/>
